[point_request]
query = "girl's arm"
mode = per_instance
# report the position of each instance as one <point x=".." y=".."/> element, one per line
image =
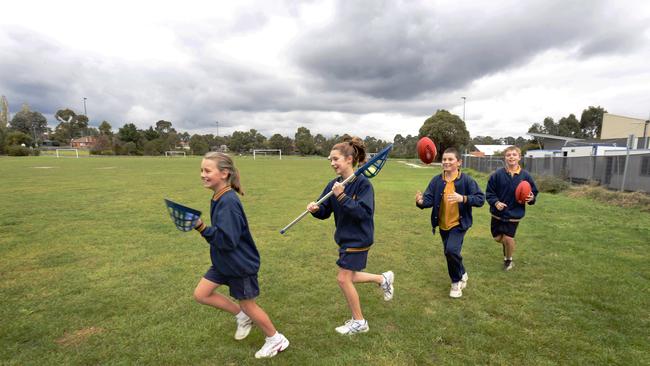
<point x="227" y="231"/>
<point x="324" y="209"/>
<point x="363" y="206"/>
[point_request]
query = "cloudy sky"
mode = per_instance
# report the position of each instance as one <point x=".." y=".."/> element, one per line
<point x="374" y="68"/>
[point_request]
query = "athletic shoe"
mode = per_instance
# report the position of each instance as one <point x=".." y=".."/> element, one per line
<point x="353" y="327"/>
<point x="456" y="290"/>
<point x="463" y="281"/>
<point x="508" y="264"/>
<point x="272" y="346"/>
<point x="244" y="327"/>
<point x="387" y="286"/>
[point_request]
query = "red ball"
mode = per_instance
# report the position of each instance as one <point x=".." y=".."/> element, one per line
<point x="523" y="191"/>
<point x="426" y="150"/>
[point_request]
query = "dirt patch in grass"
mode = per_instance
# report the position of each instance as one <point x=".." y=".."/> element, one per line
<point x="637" y="200"/>
<point x="77" y="337"/>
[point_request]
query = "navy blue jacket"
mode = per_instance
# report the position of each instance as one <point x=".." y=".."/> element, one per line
<point x="464" y="185"/>
<point x="501" y="187"/>
<point x="232" y="249"/>
<point x="353" y="213"/>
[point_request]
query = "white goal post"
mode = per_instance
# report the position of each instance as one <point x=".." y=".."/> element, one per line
<point x="171" y="154"/>
<point x="62" y="155"/>
<point x="264" y="151"/>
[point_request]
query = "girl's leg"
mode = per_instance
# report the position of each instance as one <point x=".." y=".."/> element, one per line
<point x="345" y="280"/>
<point x="363" y="277"/>
<point x="204" y="294"/>
<point x="259" y="316"/>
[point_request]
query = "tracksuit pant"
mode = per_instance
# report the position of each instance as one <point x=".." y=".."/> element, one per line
<point x="452" y="243"/>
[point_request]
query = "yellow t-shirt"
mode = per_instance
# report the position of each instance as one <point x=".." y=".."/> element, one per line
<point x="449" y="216"/>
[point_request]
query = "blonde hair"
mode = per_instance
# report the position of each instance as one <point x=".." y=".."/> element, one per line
<point x="512" y="148"/>
<point x="352" y="146"/>
<point x="225" y="162"/>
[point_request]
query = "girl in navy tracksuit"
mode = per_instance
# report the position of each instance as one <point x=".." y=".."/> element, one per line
<point x="452" y="195"/>
<point x="506" y="211"/>
<point x="353" y="206"/>
<point x="235" y="259"/>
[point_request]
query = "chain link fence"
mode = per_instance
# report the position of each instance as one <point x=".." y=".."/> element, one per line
<point x="618" y="172"/>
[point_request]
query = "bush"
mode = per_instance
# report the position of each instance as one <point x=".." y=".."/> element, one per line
<point x="551" y="184"/>
<point x="621" y="199"/>
<point x="102" y="152"/>
<point x="17" y="150"/>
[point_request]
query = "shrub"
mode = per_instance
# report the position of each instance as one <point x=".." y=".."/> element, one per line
<point x="621" y="199"/>
<point x="551" y="184"/>
<point x="17" y="150"/>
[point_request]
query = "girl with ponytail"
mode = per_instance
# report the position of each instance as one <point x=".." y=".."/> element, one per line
<point x="235" y="259"/>
<point x="353" y="207"/>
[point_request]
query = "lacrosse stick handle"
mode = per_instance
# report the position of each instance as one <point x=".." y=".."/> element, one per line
<point x="325" y="197"/>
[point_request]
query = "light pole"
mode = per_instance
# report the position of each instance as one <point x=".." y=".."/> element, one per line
<point x="464" y="108"/>
<point x="217" y="122"/>
<point x="85" y="112"/>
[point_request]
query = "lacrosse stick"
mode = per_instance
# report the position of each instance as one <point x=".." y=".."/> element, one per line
<point x="370" y="169"/>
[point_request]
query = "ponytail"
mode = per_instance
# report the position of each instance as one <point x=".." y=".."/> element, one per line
<point x="225" y="162"/>
<point x="352" y="146"/>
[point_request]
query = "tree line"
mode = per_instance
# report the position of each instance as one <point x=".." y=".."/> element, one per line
<point x="29" y="128"/>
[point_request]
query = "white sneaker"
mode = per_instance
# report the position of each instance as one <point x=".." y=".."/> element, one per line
<point x="387" y="286"/>
<point x="272" y="346"/>
<point x="463" y="281"/>
<point x="456" y="290"/>
<point x="244" y="327"/>
<point x="353" y="327"/>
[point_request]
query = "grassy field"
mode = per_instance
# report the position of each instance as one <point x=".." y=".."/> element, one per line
<point x="92" y="271"/>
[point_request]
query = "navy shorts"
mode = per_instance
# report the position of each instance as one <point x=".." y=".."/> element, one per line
<point x="241" y="288"/>
<point x="353" y="261"/>
<point x="499" y="227"/>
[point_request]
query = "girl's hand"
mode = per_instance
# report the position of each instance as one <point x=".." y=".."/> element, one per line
<point x="419" y="198"/>
<point x="198" y="223"/>
<point x="454" y="197"/>
<point x="530" y="197"/>
<point x="500" y="205"/>
<point x="338" y="189"/>
<point x="313" y="207"/>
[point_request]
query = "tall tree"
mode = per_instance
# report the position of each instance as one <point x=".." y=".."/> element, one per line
<point x="30" y="122"/>
<point x="105" y="129"/>
<point x="569" y="127"/>
<point x="304" y="141"/>
<point x="164" y="127"/>
<point x="278" y="141"/>
<point x="129" y="133"/>
<point x="591" y="121"/>
<point x="446" y="130"/>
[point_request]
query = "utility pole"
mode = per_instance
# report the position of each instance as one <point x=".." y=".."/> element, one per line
<point x="217" y="122"/>
<point x="464" y="108"/>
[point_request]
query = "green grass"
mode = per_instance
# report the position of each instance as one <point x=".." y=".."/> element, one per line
<point x="93" y="272"/>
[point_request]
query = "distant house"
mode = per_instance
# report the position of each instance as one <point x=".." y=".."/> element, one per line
<point x="620" y="127"/>
<point x="488" y="150"/>
<point x="552" y="142"/>
<point x="86" y="142"/>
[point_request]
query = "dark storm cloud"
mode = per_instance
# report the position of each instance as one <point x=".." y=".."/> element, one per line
<point x="399" y="49"/>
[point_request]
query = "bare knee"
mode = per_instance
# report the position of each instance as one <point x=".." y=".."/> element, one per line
<point x="200" y="296"/>
<point x="247" y="306"/>
<point x="344" y="278"/>
<point x="498" y="238"/>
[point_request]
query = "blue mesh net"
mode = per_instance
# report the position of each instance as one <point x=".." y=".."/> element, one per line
<point x="184" y="218"/>
<point x="374" y="165"/>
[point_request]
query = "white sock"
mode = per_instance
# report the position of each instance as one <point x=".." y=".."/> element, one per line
<point x="274" y="337"/>
<point x="360" y="321"/>
<point x="241" y="315"/>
